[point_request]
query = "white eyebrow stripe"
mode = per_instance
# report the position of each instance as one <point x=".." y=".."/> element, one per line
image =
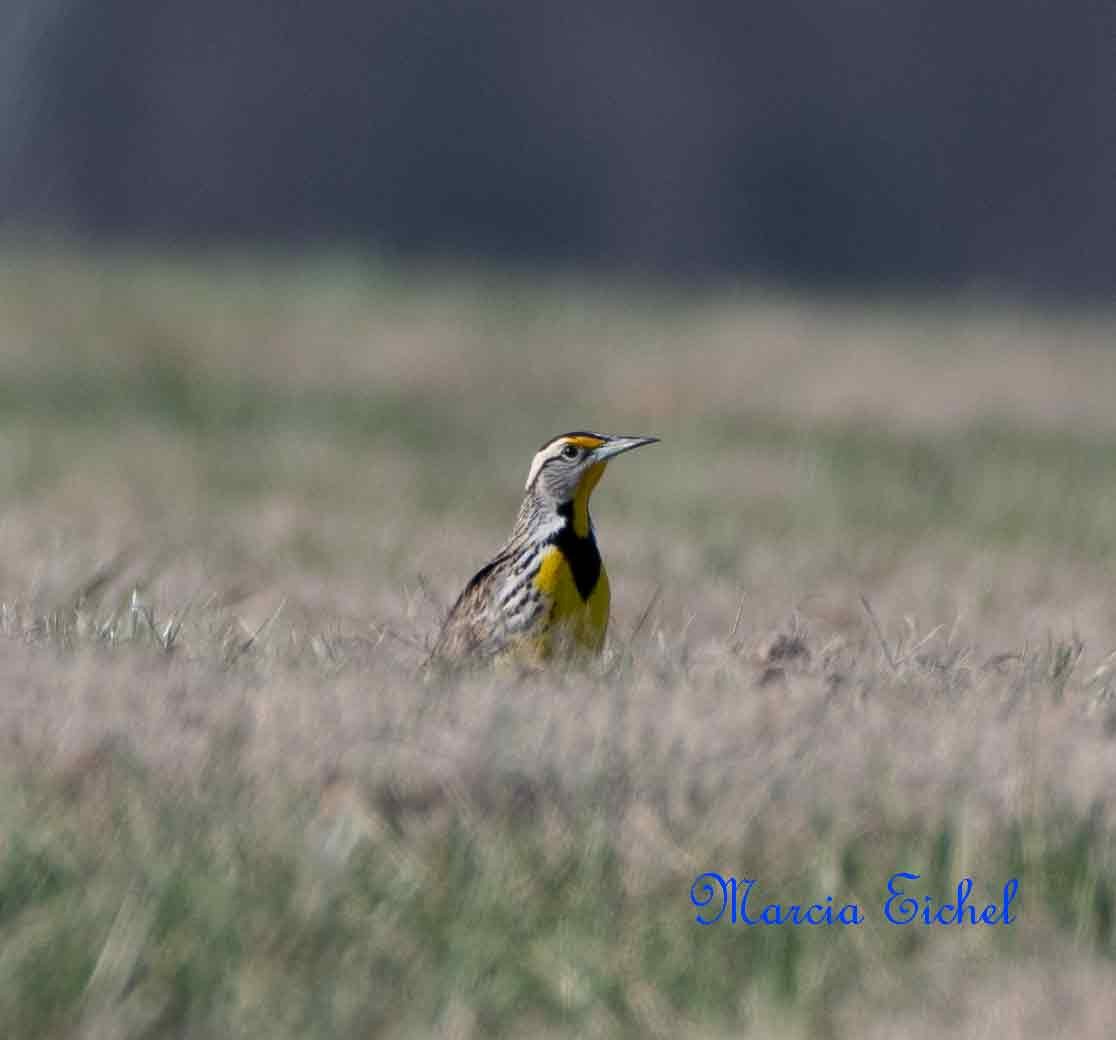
<point x="542" y="457"/>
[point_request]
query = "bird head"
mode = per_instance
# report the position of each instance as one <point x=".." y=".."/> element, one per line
<point x="565" y="470"/>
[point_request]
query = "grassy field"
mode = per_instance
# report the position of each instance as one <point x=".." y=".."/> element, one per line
<point x="863" y="622"/>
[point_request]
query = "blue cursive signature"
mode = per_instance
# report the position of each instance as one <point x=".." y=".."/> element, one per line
<point x="718" y="893"/>
<point x="714" y="895"/>
<point x="900" y="908"/>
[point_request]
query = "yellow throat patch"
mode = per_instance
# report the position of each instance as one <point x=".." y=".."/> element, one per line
<point x="581" y="500"/>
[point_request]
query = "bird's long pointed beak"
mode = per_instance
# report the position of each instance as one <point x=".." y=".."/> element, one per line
<point x="619" y="445"/>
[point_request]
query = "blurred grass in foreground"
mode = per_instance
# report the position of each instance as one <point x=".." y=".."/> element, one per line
<point x="201" y="915"/>
<point x="238" y="491"/>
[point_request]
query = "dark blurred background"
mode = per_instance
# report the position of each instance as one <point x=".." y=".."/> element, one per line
<point x="938" y="142"/>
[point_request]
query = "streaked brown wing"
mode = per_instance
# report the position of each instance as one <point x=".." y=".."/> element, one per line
<point x="473" y="628"/>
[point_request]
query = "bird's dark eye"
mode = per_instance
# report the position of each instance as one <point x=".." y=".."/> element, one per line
<point x="570" y="452"/>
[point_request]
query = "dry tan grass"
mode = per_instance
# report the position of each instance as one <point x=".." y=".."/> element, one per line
<point x="235" y="505"/>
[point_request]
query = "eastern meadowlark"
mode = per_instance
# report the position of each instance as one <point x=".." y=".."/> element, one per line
<point x="545" y="593"/>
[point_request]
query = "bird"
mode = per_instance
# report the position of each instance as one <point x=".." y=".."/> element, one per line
<point x="545" y="594"/>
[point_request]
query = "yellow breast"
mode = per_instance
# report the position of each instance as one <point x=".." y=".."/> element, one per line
<point x="584" y="621"/>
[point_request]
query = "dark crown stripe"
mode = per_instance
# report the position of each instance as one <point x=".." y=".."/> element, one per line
<point x="572" y="433"/>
